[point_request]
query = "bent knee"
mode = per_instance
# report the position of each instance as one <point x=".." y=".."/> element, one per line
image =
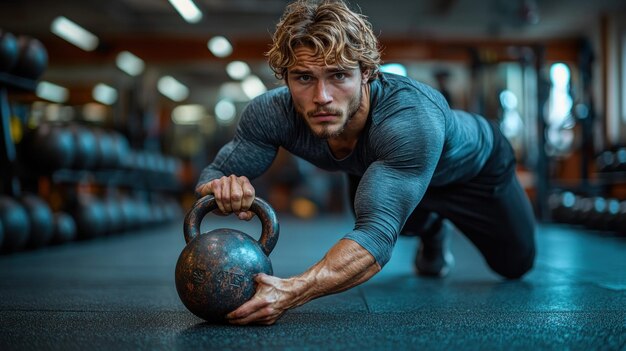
<point x="515" y="266"/>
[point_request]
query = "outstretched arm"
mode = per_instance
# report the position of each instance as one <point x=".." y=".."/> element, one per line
<point x="346" y="265"/>
<point x="388" y="192"/>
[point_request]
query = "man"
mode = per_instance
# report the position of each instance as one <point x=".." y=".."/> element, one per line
<point x="411" y="161"/>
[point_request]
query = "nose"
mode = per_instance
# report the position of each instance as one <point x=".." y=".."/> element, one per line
<point x="322" y="94"/>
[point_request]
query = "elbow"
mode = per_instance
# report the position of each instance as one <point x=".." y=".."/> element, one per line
<point x="376" y="267"/>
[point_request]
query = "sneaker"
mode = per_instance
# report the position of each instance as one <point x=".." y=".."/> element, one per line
<point x="434" y="258"/>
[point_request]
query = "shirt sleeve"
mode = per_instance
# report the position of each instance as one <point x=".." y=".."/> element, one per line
<point x="252" y="150"/>
<point x="407" y="148"/>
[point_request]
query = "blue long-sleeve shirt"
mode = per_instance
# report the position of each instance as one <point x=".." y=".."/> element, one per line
<point x="412" y="140"/>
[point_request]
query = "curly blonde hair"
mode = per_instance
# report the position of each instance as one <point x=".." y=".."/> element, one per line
<point x="331" y="29"/>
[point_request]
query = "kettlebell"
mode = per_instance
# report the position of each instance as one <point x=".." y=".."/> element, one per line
<point x="215" y="271"/>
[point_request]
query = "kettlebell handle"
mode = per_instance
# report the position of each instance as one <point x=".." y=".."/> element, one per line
<point x="206" y="204"/>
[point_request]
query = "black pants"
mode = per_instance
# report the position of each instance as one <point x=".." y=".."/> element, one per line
<point x="491" y="209"/>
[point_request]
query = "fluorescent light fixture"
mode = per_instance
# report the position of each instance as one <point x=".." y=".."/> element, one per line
<point x="188" y="114"/>
<point x="172" y="88"/>
<point x="104" y="94"/>
<point x="225" y="112"/>
<point x="253" y="86"/>
<point x="130" y="63"/>
<point x="188" y="10"/>
<point x="220" y="46"/>
<point x="74" y="33"/>
<point x="395" y="68"/>
<point x="232" y="91"/>
<point x="238" y="70"/>
<point x="52" y="92"/>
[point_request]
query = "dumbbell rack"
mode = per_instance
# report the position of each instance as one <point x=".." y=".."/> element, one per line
<point x="27" y="220"/>
<point x="134" y="197"/>
<point x="611" y="167"/>
<point x="145" y="189"/>
<point x="601" y="206"/>
<point x="591" y="212"/>
<point x="131" y="179"/>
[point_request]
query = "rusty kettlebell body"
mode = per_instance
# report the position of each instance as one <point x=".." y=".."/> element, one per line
<point x="215" y="271"/>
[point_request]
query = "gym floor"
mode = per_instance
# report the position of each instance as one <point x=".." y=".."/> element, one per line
<point x="118" y="293"/>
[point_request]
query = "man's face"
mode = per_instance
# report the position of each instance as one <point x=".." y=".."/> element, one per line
<point x="324" y="95"/>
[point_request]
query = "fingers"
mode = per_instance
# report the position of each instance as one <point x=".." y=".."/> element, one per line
<point x="216" y="186"/>
<point x="247" y="194"/>
<point x="233" y="194"/>
<point x="246" y="216"/>
<point x="267" y="316"/>
<point x="226" y="196"/>
<point x="236" y="193"/>
<point x="247" y="308"/>
<point x="257" y="311"/>
<point x="204" y="189"/>
<point x="265" y="307"/>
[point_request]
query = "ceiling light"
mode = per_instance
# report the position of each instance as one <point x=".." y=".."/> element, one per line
<point x="220" y="46"/>
<point x="129" y="63"/>
<point x="253" y="86"/>
<point x="225" y="112"/>
<point x="188" y="10"/>
<point x="188" y="114"/>
<point x="52" y="92"/>
<point x="238" y="70"/>
<point x="74" y="33"/>
<point x="104" y="94"/>
<point x="232" y="91"/>
<point x="172" y="88"/>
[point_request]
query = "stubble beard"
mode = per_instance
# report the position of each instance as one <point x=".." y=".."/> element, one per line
<point x="327" y="132"/>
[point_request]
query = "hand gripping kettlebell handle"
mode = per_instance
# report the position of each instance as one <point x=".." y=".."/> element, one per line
<point x="206" y="204"/>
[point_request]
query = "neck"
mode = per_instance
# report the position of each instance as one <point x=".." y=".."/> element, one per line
<point x="343" y="144"/>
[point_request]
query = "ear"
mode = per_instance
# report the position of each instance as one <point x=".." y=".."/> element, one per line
<point x="365" y="76"/>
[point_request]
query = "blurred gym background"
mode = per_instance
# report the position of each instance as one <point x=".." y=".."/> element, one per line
<point x="110" y="109"/>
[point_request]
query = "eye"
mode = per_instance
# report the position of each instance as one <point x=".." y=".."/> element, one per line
<point x="304" y="78"/>
<point x="340" y="76"/>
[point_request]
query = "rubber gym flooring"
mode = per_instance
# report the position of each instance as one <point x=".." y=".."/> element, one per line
<point x="118" y="293"/>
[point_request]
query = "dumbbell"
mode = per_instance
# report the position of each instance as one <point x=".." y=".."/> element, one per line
<point x="159" y="210"/>
<point x="16" y="224"/>
<point x="129" y="213"/>
<point x="620" y="160"/>
<point x="106" y="154"/>
<point x="562" y="206"/>
<point x="582" y="210"/>
<point x="90" y="216"/>
<point x="597" y="217"/>
<point x="8" y="51"/>
<point x="49" y="147"/>
<point x="120" y="149"/>
<point x="40" y="219"/>
<point x="605" y="161"/>
<point x="152" y="162"/>
<point x="610" y="216"/>
<point x="173" y="211"/>
<point x="64" y="228"/>
<point x="32" y="58"/>
<point x="87" y="152"/>
<point x="140" y="161"/>
<point x="143" y="211"/>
